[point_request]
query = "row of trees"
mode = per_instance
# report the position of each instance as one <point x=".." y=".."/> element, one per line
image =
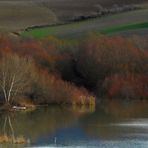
<point x="28" y="70"/>
<point x="56" y="71"/>
<point x="102" y="63"/>
<point x="113" y="62"/>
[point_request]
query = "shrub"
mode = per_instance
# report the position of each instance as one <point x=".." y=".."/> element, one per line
<point x="48" y="88"/>
<point x="45" y="86"/>
<point x="100" y="57"/>
<point x="92" y="62"/>
<point x="127" y="86"/>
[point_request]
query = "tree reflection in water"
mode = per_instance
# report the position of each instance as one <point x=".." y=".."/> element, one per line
<point x="36" y="124"/>
<point x="112" y="120"/>
<point x="8" y="133"/>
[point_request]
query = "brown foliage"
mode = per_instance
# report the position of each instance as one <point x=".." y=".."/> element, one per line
<point x="46" y="86"/>
<point x="51" y="89"/>
<point x="99" y="57"/>
<point x="94" y="62"/>
<point x="127" y="86"/>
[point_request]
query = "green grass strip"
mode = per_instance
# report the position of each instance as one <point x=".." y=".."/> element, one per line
<point x="128" y="27"/>
<point x="55" y="30"/>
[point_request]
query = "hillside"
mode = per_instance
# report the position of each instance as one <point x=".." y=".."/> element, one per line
<point x="19" y="14"/>
<point x="68" y="9"/>
<point x="108" y="24"/>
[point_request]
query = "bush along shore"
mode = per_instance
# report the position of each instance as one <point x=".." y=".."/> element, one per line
<point x="55" y="71"/>
<point x="29" y="77"/>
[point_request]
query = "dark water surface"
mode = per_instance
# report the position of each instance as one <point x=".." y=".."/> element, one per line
<point x="112" y="124"/>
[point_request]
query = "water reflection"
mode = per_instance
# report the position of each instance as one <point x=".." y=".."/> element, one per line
<point x="34" y="125"/>
<point x="116" y="119"/>
<point x="112" y="121"/>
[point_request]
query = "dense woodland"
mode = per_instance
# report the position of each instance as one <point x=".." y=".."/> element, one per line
<point x="56" y="71"/>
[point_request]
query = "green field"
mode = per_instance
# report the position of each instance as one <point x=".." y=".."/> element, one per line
<point x="40" y="33"/>
<point x="128" y="27"/>
<point x="133" y="20"/>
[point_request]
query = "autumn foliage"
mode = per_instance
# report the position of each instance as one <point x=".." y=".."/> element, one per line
<point x="65" y="71"/>
<point x="127" y="86"/>
<point x="46" y="85"/>
<point x="114" y="65"/>
<point x="56" y="91"/>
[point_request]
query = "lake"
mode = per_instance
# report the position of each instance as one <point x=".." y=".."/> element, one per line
<point x="113" y="124"/>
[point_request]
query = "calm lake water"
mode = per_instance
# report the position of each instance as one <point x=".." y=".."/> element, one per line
<point x="112" y="124"/>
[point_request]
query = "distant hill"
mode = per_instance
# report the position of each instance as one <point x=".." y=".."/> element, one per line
<point x="66" y="9"/>
<point x="19" y="14"/>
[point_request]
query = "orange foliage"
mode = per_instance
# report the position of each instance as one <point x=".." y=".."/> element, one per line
<point x="100" y="57"/>
<point x="129" y="86"/>
<point x="51" y="89"/>
<point x="47" y="86"/>
<point x="113" y="53"/>
<point x="118" y="62"/>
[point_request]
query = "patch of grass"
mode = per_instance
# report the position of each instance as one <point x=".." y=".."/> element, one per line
<point x="51" y="30"/>
<point x="38" y="33"/>
<point x="125" y="28"/>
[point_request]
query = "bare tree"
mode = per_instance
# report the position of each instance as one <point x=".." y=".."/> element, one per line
<point x="15" y="76"/>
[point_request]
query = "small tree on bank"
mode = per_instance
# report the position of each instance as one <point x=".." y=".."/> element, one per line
<point x="15" y="76"/>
